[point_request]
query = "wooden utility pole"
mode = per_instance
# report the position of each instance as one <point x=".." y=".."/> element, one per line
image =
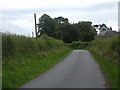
<point x="35" y="25"/>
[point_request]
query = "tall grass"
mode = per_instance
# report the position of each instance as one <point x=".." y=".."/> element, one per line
<point x="106" y="48"/>
<point x="16" y="44"/>
<point x="24" y="58"/>
<point x="106" y="52"/>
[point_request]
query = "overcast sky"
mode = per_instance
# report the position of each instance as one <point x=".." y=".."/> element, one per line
<point x="16" y="16"/>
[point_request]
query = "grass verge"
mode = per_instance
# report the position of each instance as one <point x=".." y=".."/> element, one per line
<point x="110" y="69"/>
<point x="19" y="70"/>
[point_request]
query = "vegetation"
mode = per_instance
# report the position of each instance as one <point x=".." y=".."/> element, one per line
<point x="24" y="58"/>
<point x="107" y="48"/>
<point x="78" y="45"/>
<point x="106" y="52"/>
<point x="109" y="69"/>
<point x="61" y="29"/>
<point x="16" y="44"/>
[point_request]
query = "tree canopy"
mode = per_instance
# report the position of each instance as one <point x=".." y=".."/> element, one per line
<point x="60" y="28"/>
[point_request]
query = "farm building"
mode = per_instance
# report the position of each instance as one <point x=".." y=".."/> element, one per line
<point x="106" y="34"/>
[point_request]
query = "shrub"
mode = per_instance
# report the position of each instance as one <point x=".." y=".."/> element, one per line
<point x="8" y="45"/>
<point x="78" y="45"/>
<point x="16" y="44"/>
<point x="45" y="42"/>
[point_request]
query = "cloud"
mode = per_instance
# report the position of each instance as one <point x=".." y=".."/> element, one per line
<point x="16" y="28"/>
<point x="17" y="15"/>
<point x="16" y="24"/>
<point x="112" y="24"/>
<point x="90" y="8"/>
<point x="24" y="23"/>
<point x="98" y="10"/>
<point x="22" y="4"/>
<point x="8" y="27"/>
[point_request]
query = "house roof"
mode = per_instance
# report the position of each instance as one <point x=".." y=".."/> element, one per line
<point x="106" y="34"/>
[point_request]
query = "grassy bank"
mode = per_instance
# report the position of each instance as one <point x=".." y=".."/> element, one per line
<point x="20" y="70"/>
<point x="25" y="58"/>
<point x="110" y="70"/>
<point x="106" y="48"/>
<point x="106" y="53"/>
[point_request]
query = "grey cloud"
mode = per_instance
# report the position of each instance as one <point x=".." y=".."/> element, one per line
<point x="98" y="16"/>
<point x="97" y="7"/>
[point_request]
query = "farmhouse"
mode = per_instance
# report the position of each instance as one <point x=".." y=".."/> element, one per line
<point x="106" y="34"/>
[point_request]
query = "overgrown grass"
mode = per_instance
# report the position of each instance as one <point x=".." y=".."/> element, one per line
<point x="106" y="52"/>
<point x="22" y="69"/>
<point x="25" y="58"/>
<point x="16" y="44"/>
<point x="110" y="69"/>
<point x="106" y="48"/>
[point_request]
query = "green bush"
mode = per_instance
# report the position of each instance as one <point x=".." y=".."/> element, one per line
<point x="17" y="44"/>
<point x="46" y="42"/>
<point x="78" y="45"/>
<point x="7" y="45"/>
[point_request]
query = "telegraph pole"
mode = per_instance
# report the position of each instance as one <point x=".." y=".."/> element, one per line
<point x="35" y="25"/>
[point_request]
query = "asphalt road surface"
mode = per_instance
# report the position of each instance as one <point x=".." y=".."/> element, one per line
<point x="78" y="70"/>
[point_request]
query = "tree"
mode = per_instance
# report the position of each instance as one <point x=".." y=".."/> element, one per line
<point x="61" y="20"/>
<point x="60" y="28"/>
<point x="102" y="27"/>
<point x="46" y="25"/>
<point x="70" y="33"/>
<point x="61" y="24"/>
<point x="86" y="31"/>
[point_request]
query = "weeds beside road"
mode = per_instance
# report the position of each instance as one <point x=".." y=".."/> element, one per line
<point x="24" y="58"/>
<point x="106" y="53"/>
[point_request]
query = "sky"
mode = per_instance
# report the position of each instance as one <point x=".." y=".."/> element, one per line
<point x="16" y="16"/>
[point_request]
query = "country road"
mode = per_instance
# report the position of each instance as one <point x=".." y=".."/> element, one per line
<point x="78" y="70"/>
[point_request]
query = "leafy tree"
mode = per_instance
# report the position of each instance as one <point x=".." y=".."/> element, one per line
<point x="61" y="24"/>
<point x="61" y="20"/>
<point x="60" y="28"/>
<point x="46" y="25"/>
<point x="86" y="31"/>
<point x="70" y="33"/>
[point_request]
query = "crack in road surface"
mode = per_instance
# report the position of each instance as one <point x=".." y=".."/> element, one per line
<point x="78" y="70"/>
